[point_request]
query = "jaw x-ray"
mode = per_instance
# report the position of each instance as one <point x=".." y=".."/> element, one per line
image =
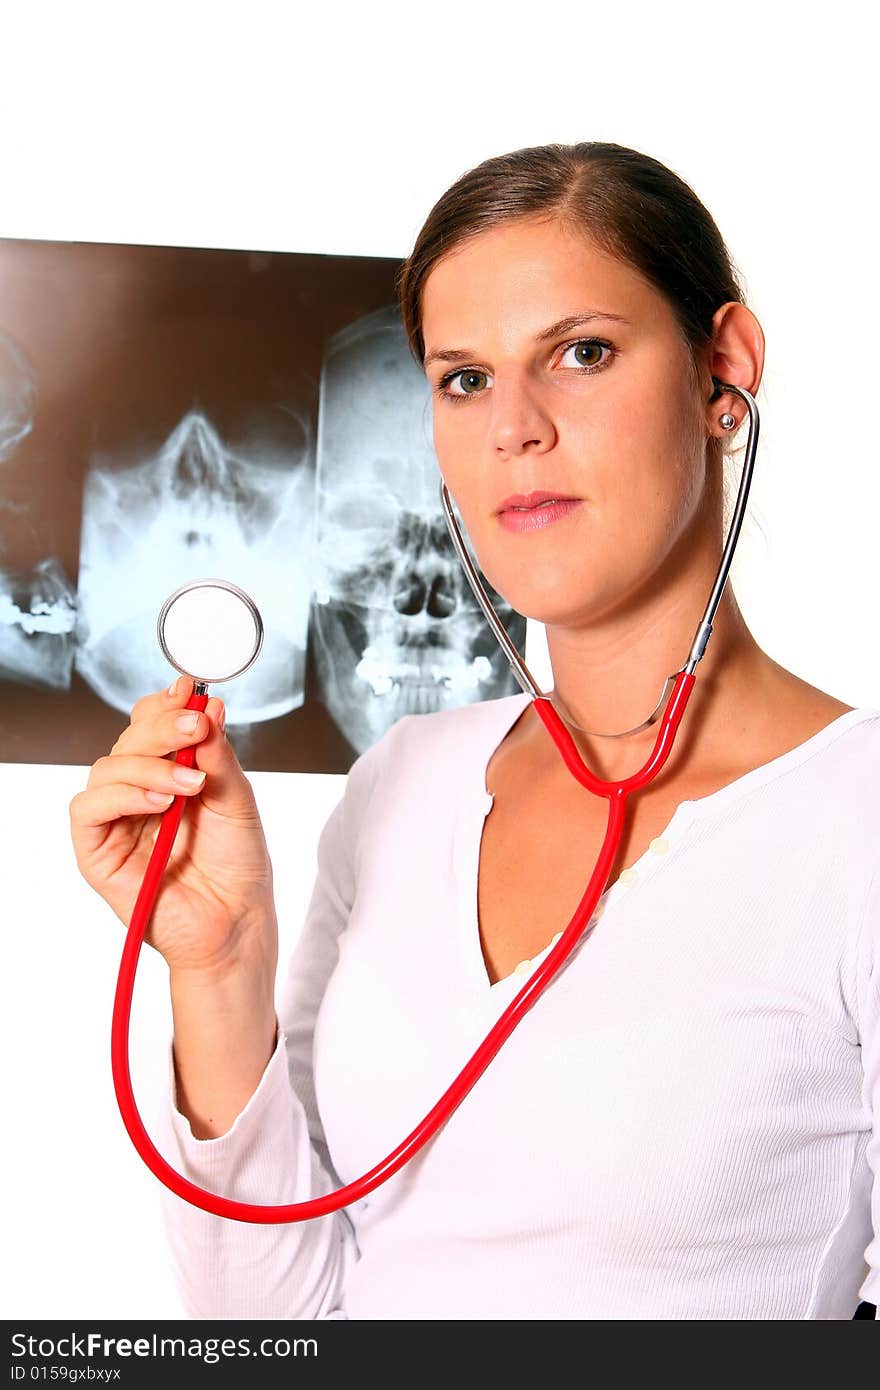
<point x="254" y="418"/>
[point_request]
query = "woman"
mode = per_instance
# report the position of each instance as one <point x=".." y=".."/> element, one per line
<point x="682" y="1125"/>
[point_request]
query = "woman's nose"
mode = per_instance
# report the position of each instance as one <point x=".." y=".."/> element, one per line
<point x="519" y="418"/>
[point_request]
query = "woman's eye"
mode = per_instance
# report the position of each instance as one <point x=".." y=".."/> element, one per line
<point x="468" y="380"/>
<point x="590" y="350"/>
<point x="588" y="358"/>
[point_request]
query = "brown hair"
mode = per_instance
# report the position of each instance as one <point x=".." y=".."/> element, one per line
<point x="629" y="204"/>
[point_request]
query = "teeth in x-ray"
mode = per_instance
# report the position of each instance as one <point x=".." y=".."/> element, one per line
<point x="18" y="395"/>
<point x="38" y="624"/>
<point x="410" y="679"/>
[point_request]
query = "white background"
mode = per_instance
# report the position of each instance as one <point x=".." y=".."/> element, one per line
<point x="334" y="129"/>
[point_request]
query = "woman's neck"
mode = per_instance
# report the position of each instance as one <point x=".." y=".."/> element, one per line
<point x="609" y="679"/>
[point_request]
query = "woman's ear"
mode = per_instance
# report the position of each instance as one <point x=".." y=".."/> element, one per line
<point x="735" y="355"/>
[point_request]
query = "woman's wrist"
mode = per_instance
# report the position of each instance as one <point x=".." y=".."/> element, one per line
<point x="251" y="956"/>
<point x="225" y="1033"/>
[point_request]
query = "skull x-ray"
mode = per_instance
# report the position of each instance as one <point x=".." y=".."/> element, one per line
<point x="197" y="509"/>
<point x="37" y="606"/>
<point x="395" y="627"/>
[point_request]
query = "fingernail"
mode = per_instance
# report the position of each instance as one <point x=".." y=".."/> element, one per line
<point x="172" y="689"/>
<point x="160" y="798"/>
<point x="187" y="722"/>
<point x="221" y="718"/>
<point x="187" y="776"/>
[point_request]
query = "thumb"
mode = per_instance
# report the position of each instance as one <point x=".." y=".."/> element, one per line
<point x="215" y="709"/>
<point x="215" y="755"/>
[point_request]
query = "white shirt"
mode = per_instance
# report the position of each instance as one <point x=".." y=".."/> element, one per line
<point x="683" y="1126"/>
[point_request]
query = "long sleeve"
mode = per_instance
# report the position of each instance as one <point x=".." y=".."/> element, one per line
<point x="869" y="1034"/>
<point x="275" y="1152"/>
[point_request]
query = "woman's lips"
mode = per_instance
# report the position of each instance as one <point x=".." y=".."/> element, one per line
<point x="533" y="518"/>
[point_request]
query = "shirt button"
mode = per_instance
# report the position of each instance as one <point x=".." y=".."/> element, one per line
<point x="628" y="876"/>
<point x="659" y="846"/>
<point x="524" y="968"/>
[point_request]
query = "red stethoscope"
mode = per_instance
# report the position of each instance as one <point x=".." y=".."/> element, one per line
<point x="241" y="623"/>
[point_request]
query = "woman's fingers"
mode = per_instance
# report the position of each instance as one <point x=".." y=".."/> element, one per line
<point x="167" y="730"/>
<point x="152" y="774"/>
<point x="140" y="775"/>
<point x="99" y="806"/>
<point x="159" y="700"/>
<point x="93" y="812"/>
<point x="150" y="706"/>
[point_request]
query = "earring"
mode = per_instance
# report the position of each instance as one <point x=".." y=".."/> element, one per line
<point x="727" y="422"/>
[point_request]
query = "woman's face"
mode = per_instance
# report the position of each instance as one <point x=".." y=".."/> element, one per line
<point x="615" y="422"/>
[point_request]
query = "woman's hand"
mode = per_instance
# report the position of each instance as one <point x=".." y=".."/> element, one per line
<point x="216" y="891"/>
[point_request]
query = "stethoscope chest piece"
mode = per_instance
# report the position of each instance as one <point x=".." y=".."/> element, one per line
<point x="211" y="630"/>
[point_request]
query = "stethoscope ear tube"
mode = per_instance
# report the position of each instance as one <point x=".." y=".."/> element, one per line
<point x="520" y="671"/>
<point x="704" y="629"/>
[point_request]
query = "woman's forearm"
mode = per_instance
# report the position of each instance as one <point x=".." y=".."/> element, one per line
<point x="225" y="1031"/>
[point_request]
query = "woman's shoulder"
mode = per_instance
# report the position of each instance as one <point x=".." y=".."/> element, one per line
<point x="849" y="743"/>
<point x="833" y="759"/>
<point x="817" y="804"/>
<point x="825" y="738"/>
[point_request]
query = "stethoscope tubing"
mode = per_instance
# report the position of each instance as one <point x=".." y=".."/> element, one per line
<point x="616" y="793"/>
<point x="534" y="986"/>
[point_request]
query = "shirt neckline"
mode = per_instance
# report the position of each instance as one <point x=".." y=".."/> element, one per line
<point x="474" y="806"/>
<point x="755" y="777"/>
